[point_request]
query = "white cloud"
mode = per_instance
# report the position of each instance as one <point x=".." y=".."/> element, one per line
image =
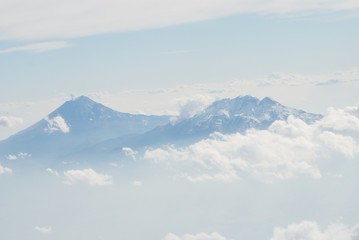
<point x="9" y="121"/>
<point x="37" y="47"/>
<point x="199" y="236"/>
<point x="308" y="230"/>
<point x="41" y="19"/>
<point x="87" y="176"/>
<point x="287" y="149"/>
<point x="294" y="79"/>
<point x="44" y="230"/>
<point x="53" y="172"/>
<point x="57" y="124"/>
<point x="5" y="170"/>
<point x="11" y="157"/>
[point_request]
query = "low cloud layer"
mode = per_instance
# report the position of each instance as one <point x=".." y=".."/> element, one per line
<point x="308" y="230"/>
<point x="199" y="236"/>
<point x="87" y="176"/>
<point x="287" y="149"/>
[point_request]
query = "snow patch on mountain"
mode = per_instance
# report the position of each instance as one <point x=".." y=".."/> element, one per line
<point x="56" y="124"/>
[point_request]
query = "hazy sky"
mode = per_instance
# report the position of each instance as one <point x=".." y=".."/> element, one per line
<point x="290" y="181"/>
<point x="302" y="53"/>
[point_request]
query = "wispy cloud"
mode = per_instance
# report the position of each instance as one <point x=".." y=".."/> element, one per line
<point x="41" y="19"/>
<point x="293" y="79"/>
<point x="20" y="155"/>
<point x="129" y="152"/>
<point x="53" y="172"/>
<point x="37" y="47"/>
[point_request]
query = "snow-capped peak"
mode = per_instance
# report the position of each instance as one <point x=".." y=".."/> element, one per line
<point x="239" y="114"/>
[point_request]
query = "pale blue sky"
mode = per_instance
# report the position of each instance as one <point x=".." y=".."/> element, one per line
<point x="240" y="46"/>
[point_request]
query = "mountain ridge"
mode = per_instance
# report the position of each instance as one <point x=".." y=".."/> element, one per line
<point x="225" y="115"/>
<point x="82" y="125"/>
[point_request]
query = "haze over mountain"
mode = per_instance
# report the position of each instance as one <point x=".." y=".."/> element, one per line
<point x="83" y="127"/>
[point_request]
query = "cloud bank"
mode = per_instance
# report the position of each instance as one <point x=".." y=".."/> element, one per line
<point x="41" y="19"/>
<point x="87" y="176"/>
<point x="309" y="230"/>
<point x="285" y="150"/>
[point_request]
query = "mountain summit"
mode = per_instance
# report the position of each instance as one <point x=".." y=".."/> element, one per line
<point x="225" y="116"/>
<point x="77" y="124"/>
<point x="85" y="116"/>
<point x="239" y="114"/>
